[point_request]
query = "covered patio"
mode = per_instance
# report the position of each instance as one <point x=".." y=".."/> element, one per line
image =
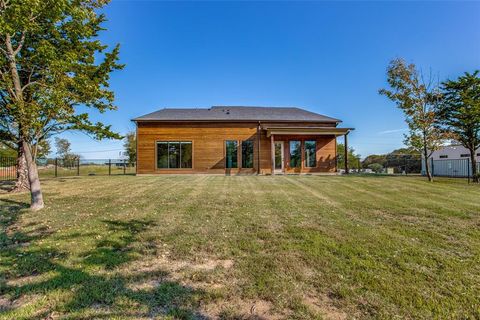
<point x="299" y="149"/>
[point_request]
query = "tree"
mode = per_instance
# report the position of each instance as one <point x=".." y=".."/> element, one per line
<point x="42" y="149"/>
<point x="419" y="100"/>
<point x="63" y="147"/>
<point x="376" y="167"/>
<point x="460" y="112"/>
<point x="353" y="159"/>
<point x="7" y="152"/>
<point x="375" y="158"/>
<point x="51" y="63"/>
<point x="130" y="145"/>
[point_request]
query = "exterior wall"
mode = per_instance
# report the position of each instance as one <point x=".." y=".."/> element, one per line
<point x="448" y="162"/>
<point x="208" y="142"/>
<point x="453" y="152"/>
<point x="325" y="154"/>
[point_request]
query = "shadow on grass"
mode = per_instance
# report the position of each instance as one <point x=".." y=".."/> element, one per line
<point x="94" y="286"/>
<point x="6" y="185"/>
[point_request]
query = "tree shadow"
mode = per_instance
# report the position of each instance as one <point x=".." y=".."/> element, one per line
<point x="95" y="285"/>
<point x="6" y="185"/>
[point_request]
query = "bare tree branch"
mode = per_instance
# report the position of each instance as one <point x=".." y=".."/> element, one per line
<point x="20" y="44"/>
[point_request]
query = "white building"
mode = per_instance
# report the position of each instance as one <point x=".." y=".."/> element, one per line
<point x="452" y="161"/>
<point x="454" y="152"/>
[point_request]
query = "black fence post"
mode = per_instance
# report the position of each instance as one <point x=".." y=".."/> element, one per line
<point x="124" y="166"/>
<point x="109" y="167"/>
<point x="433" y="170"/>
<point x="468" y="171"/>
<point x="78" y="166"/>
<point x="56" y="165"/>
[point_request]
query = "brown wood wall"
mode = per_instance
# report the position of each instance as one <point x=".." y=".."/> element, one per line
<point x="208" y="141"/>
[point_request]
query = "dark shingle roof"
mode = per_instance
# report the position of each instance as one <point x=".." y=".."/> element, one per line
<point x="235" y="113"/>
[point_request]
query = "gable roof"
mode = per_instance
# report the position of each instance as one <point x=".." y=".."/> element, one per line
<point x="236" y="113"/>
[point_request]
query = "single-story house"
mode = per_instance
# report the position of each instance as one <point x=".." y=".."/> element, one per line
<point x="237" y="140"/>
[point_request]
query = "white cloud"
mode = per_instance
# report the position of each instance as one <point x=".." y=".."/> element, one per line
<point x="392" y="131"/>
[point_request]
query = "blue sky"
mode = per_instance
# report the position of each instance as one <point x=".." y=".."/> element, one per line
<point x="328" y="57"/>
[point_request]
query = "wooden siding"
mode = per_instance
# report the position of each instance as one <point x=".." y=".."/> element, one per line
<point x="208" y="142"/>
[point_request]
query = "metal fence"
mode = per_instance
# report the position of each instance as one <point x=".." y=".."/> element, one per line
<point x="8" y="168"/>
<point x="56" y="167"/>
<point x="454" y="168"/>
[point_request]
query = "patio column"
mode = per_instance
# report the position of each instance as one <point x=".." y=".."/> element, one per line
<point x="346" y="154"/>
<point x="273" y="154"/>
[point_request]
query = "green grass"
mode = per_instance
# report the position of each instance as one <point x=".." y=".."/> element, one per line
<point x="85" y="170"/>
<point x="296" y="247"/>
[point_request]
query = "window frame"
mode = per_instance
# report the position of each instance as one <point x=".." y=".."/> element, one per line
<point x="180" y="142"/>
<point x="290" y="153"/>
<point x="225" y="153"/>
<point x="305" y="153"/>
<point x="241" y="154"/>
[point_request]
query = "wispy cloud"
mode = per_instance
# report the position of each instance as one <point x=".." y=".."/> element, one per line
<point x="392" y="131"/>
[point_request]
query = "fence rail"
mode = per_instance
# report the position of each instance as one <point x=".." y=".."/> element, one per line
<point x="57" y="167"/>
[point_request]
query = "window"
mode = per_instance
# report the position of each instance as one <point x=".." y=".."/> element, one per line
<point x="247" y="154"/>
<point x="465" y="155"/>
<point x="295" y="154"/>
<point x="444" y="156"/>
<point x="478" y="154"/>
<point x="231" y="154"/>
<point x="174" y="155"/>
<point x="310" y="153"/>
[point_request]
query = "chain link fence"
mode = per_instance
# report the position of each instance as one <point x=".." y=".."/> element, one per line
<point x="57" y="167"/>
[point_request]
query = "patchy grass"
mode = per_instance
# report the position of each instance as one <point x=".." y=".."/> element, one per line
<point x="279" y="247"/>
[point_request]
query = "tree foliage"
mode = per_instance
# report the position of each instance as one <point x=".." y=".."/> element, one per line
<point x="460" y="112"/>
<point x="52" y="67"/>
<point x="419" y="99"/>
<point x="130" y="145"/>
<point x="403" y="159"/>
<point x="353" y="158"/>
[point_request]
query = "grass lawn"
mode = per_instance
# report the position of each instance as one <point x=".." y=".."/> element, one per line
<point x="296" y="247"/>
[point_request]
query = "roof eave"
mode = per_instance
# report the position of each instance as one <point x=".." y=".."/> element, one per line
<point x="238" y="120"/>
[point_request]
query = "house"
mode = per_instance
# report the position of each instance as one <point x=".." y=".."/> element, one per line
<point x="237" y="140"/>
<point x="452" y="161"/>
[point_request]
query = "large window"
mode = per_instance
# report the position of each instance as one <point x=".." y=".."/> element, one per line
<point x="174" y="155"/>
<point x="247" y="154"/>
<point x="231" y="154"/>
<point x="310" y="153"/>
<point x="295" y="154"/>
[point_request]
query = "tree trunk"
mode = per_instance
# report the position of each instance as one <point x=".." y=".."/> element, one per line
<point x="427" y="165"/>
<point x="473" y="163"/>
<point x="35" y="189"/>
<point x="22" y="183"/>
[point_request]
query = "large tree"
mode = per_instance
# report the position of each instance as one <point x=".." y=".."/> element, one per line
<point x="419" y="99"/>
<point x="52" y="67"/>
<point x="461" y="113"/>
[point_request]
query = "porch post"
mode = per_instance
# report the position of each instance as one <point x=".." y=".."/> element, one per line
<point x="258" y="148"/>
<point x="273" y="154"/>
<point x="346" y="154"/>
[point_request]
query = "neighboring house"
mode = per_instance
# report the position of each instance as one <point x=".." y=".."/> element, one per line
<point x="452" y="160"/>
<point x="236" y="140"/>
